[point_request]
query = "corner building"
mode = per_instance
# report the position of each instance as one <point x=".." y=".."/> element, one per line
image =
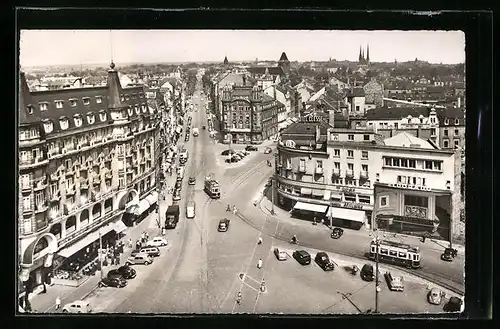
<point x="321" y="169"/>
<point x="86" y="161"/>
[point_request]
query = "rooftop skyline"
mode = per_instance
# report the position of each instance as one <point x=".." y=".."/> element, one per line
<point x="80" y="47"/>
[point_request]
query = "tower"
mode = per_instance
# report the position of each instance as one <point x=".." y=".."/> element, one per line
<point x="368" y="54"/>
<point x="284" y="63"/>
<point x="226" y="61"/>
<point x="360" y="57"/>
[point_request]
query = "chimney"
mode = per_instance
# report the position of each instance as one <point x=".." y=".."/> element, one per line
<point x="114" y="89"/>
<point x="274" y="90"/>
<point x="419" y="132"/>
<point x="331" y="117"/>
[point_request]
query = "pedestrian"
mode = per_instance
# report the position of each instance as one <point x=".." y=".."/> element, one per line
<point x="130" y="242"/>
<point x="58" y="303"/>
<point x="234" y="210"/>
<point x="322" y="221"/>
<point x="263" y="285"/>
<point x="260" y="240"/>
<point x="259" y="263"/>
<point x="238" y="298"/>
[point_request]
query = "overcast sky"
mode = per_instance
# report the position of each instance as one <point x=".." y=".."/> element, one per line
<point x="63" y="47"/>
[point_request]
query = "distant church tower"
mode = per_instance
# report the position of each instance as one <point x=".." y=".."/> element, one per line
<point x="226" y="62"/>
<point x="284" y="63"/>
<point x="361" y="59"/>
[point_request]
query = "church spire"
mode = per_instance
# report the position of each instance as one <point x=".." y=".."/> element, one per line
<point x="368" y="53"/>
<point x="360" y="57"/>
<point x="114" y="88"/>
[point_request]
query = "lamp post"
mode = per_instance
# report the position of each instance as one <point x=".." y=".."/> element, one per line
<point x="330" y="215"/>
<point x="272" y="196"/>
<point x="377" y="282"/>
<point x="100" y="254"/>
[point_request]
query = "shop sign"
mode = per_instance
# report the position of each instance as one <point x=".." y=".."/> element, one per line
<point x="352" y="205"/>
<point x="347" y="189"/>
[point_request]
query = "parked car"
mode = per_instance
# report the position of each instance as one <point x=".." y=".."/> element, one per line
<point x="241" y="154"/>
<point x="395" y="283"/>
<point x="149" y="250"/>
<point x="227" y="152"/>
<point x="126" y="272"/>
<point x="178" y="185"/>
<point x="454" y="304"/>
<point x="435" y="296"/>
<point x="267" y="150"/>
<point x="78" y="306"/>
<point x="251" y="148"/>
<point x="176" y="196"/>
<point x="280" y="254"/>
<point x="223" y="225"/>
<point x="237" y="157"/>
<point x="367" y="272"/>
<point x="157" y="242"/>
<point x="231" y="160"/>
<point x="336" y="233"/>
<point x="192" y="181"/>
<point x="139" y="258"/>
<point x="323" y="261"/>
<point x="302" y="257"/>
<point x="117" y="282"/>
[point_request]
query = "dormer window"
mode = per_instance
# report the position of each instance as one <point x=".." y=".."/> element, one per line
<point x="141" y="95"/>
<point x="144" y="109"/>
<point x="44" y="106"/>
<point x="457" y="122"/>
<point x="122" y="98"/>
<point x="127" y="97"/>
<point x="78" y="120"/>
<point x="48" y="126"/>
<point x="137" y="111"/>
<point x="59" y="104"/>
<point x="90" y="118"/>
<point x="446" y="121"/>
<point x="30" y="109"/>
<point x="130" y="111"/>
<point x="64" y="123"/>
<point x="102" y="116"/>
<point x="98" y="99"/>
<point x="73" y="102"/>
<point x="86" y="100"/>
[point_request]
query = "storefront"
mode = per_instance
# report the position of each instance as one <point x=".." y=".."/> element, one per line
<point x="345" y="217"/>
<point x="152" y="199"/>
<point x="136" y="213"/>
<point x="308" y="211"/>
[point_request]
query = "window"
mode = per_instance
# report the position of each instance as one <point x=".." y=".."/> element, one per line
<point x="421" y="120"/>
<point x="90" y="118"/>
<point x="29" y="108"/>
<point x="437" y="165"/>
<point x="302" y="163"/>
<point x="67" y="163"/>
<point x="428" y="164"/>
<point x="364" y="155"/>
<point x="336" y="165"/>
<point x="319" y="164"/>
<point x="63" y="122"/>
<point x="396" y="125"/>
<point x="336" y="152"/>
<point x="73" y="102"/>
<point x="350" y="166"/>
<point x="137" y="110"/>
<point x="350" y="137"/>
<point x="44" y="106"/>
<point x="357" y="107"/>
<point x="395" y="162"/>
<point x="415" y="200"/>
<point x="364" y="198"/>
<point x="384" y="202"/>
<point x="98" y="99"/>
<point x="383" y="251"/>
<point x="27" y="202"/>
<point x="78" y="121"/>
<point x="393" y="253"/>
<point x="411" y="163"/>
<point x="456" y="142"/>
<point x="86" y="101"/>
<point x="364" y="167"/>
<point x="48" y="126"/>
<point x="59" y="104"/>
<point x="350" y="154"/>
<point x="388" y="161"/>
<point x="457" y="122"/>
<point x="402" y="255"/>
<point x="423" y="181"/>
<point x="433" y="131"/>
<point x="446" y="121"/>
<point x="350" y="197"/>
<point x="445" y="132"/>
<point x="102" y="116"/>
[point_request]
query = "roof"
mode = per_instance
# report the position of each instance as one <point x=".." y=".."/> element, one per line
<point x="388" y="113"/>
<point x="304" y="129"/>
<point x="273" y="70"/>
<point x="283" y="57"/>
<point x="231" y="78"/>
<point x="451" y="113"/>
<point x="24" y="101"/>
<point x="460" y="85"/>
<point x="405" y="139"/>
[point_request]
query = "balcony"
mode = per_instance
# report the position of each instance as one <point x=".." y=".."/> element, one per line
<point x="318" y="171"/>
<point x="302" y="169"/>
<point x="71" y="190"/>
<point x="54" y="151"/>
<point x="349" y="173"/>
<point x="363" y="174"/>
<point x="41" y="207"/>
<point x="41" y="184"/>
<point x="25" y="188"/>
<point x="55" y="197"/>
<point x="54" y="177"/>
<point x="84" y="184"/>
<point x="96" y="180"/>
<point x="69" y="172"/>
<point x="108" y="175"/>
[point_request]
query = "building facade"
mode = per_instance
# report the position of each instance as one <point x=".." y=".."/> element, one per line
<point x="451" y="128"/>
<point x="86" y="161"/>
<point x="338" y="168"/>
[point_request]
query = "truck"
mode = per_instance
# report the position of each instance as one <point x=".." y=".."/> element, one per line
<point x="195" y="132"/>
<point x="171" y="216"/>
<point x="211" y="187"/>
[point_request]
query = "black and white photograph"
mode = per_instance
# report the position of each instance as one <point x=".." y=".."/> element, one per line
<point x="316" y="172"/>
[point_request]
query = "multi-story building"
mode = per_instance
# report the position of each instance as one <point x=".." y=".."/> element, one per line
<point x="319" y="167"/>
<point x="86" y="161"/>
<point x="451" y="128"/>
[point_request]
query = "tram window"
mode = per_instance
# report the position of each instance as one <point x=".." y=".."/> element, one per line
<point x="402" y="254"/>
<point x="373" y="249"/>
<point x="383" y="251"/>
<point x="415" y="257"/>
<point x="393" y="253"/>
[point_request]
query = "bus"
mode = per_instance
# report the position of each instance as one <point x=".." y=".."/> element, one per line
<point x="395" y="253"/>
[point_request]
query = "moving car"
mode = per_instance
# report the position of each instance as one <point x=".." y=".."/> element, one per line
<point x="117" y="282"/>
<point x="195" y="132"/>
<point x="336" y="233"/>
<point x="176" y="196"/>
<point x="302" y="257"/>
<point x="395" y="283"/>
<point x="447" y="255"/>
<point x="157" y="242"/>
<point x="172" y="216"/>
<point x="280" y="254"/>
<point x="139" y="259"/>
<point x="192" y="181"/>
<point x="190" y="209"/>
<point x="78" y="306"/>
<point x="223" y="225"/>
<point x="323" y="261"/>
<point x="367" y="272"/>
<point x="267" y="150"/>
<point x="435" y="296"/>
<point x="251" y="148"/>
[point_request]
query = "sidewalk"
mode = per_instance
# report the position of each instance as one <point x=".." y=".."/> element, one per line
<point x="285" y="217"/>
<point x="45" y="302"/>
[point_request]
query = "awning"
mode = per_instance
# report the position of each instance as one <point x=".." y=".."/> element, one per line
<point x="348" y="214"/>
<point x="310" y="207"/>
<point x="327" y="195"/>
<point x="318" y="192"/>
<point x="88" y="239"/>
<point x="152" y="198"/>
<point x="142" y="206"/>
<point x="305" y="191"/>
<point x="120" y="227"/>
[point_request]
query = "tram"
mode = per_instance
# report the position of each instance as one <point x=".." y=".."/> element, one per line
<point x="395" y="253"/>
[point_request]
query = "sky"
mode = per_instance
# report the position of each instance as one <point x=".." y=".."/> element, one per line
<point x="80" y="47"/>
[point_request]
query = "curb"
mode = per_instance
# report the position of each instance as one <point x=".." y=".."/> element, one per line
<point x="90" y="292"/>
